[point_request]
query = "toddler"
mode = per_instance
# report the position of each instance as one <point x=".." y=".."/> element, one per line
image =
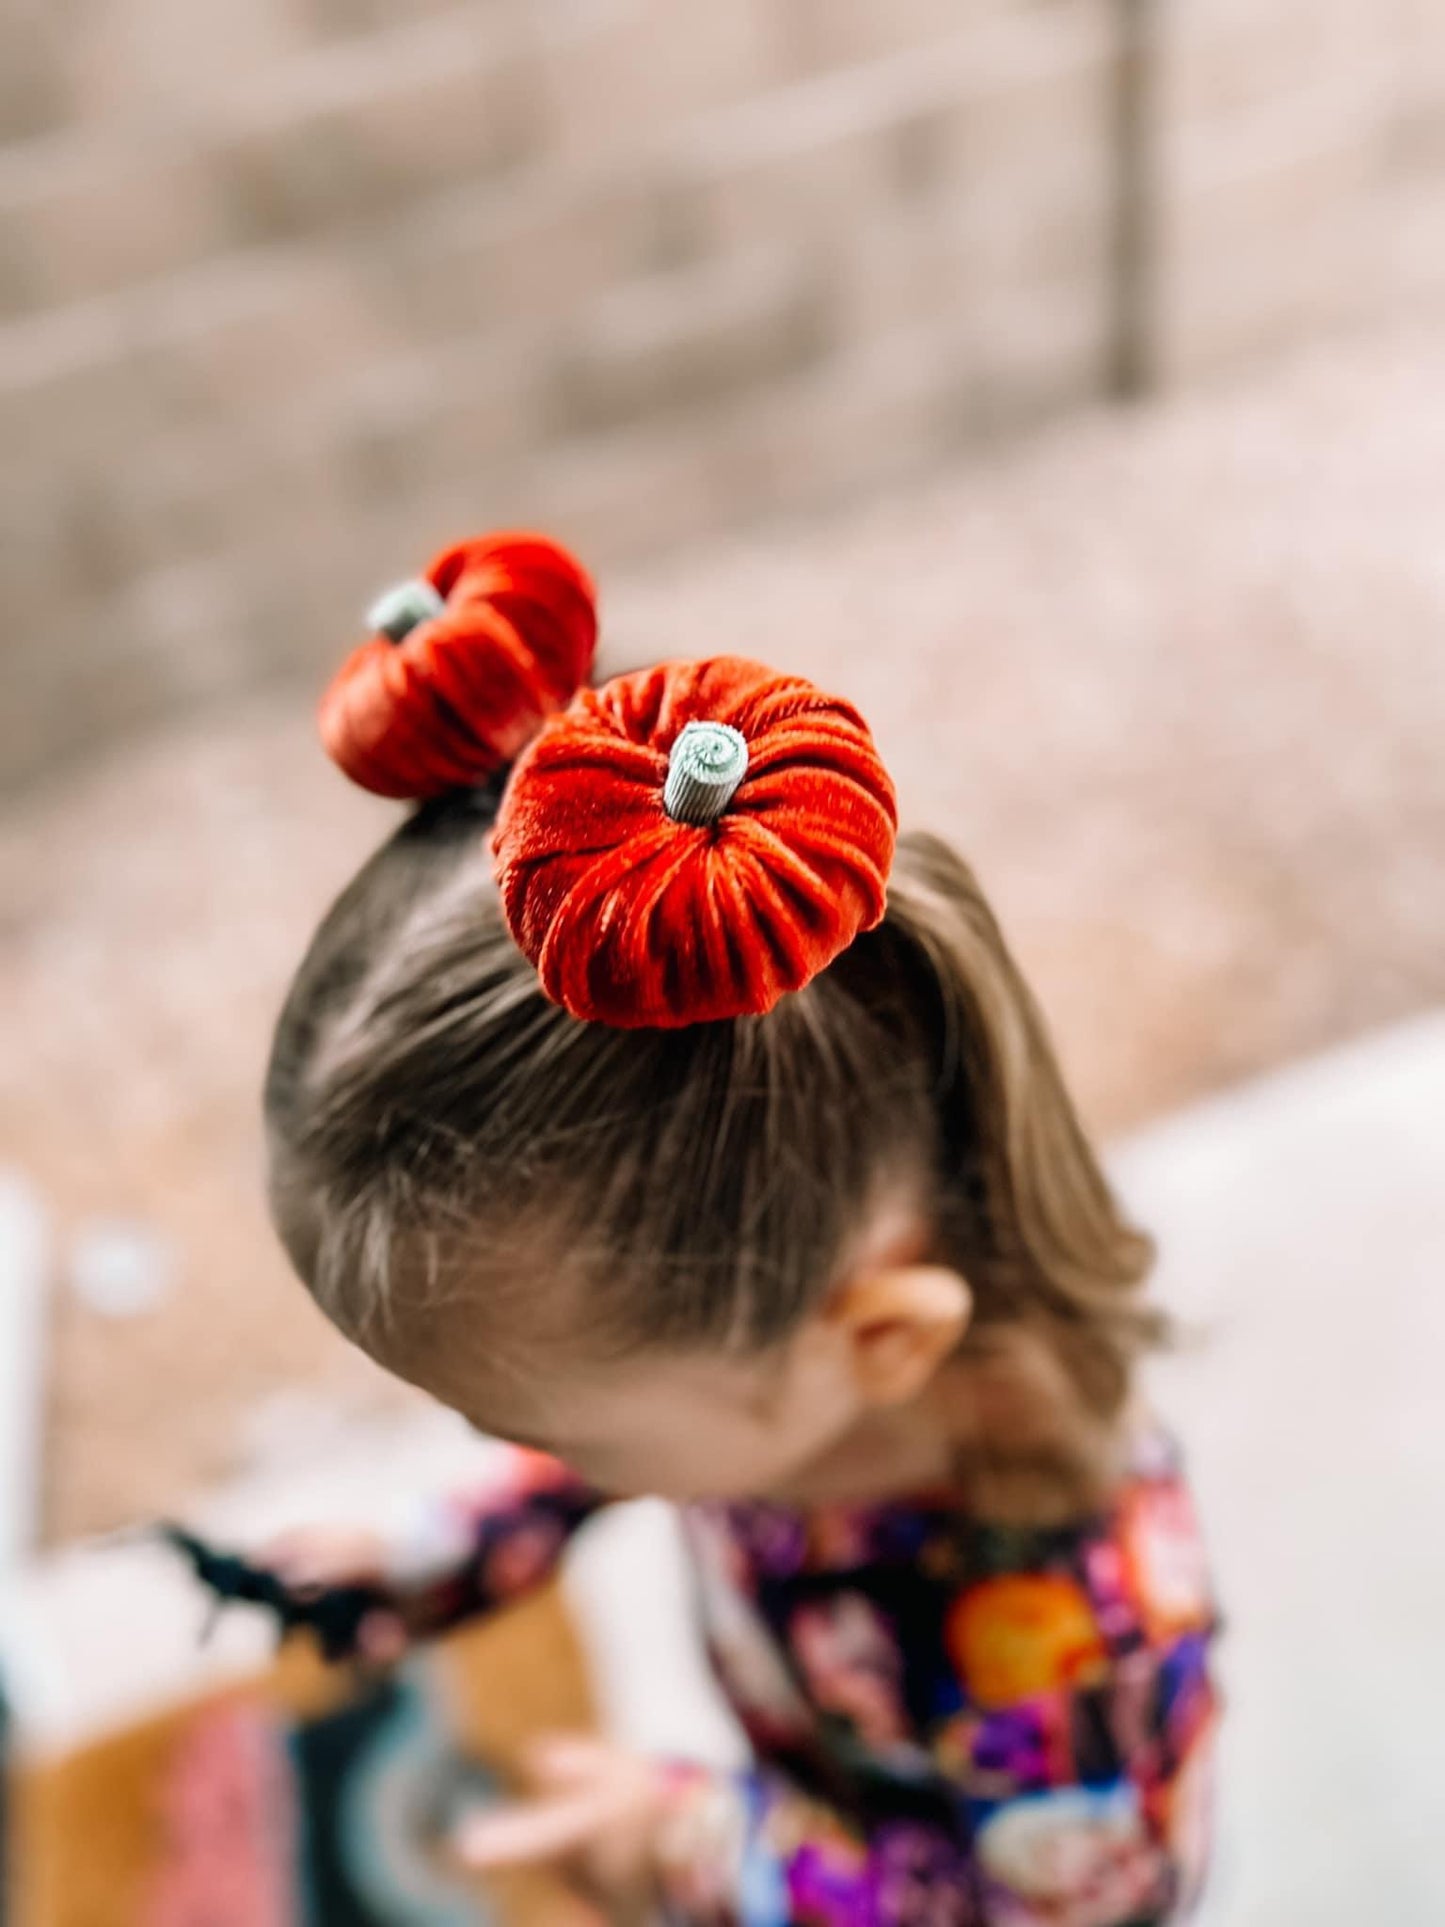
<point x="650" y="1101"/>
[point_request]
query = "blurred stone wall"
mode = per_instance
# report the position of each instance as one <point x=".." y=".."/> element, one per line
<point x="1296" y="170"/>
<point x="295" y="289"/>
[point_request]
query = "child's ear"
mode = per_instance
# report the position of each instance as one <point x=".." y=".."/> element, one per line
<point x="899" y="1326"/>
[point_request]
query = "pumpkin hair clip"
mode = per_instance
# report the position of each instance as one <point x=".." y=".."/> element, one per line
<point x="461" y="667"/>
<point x="691" y="843"/>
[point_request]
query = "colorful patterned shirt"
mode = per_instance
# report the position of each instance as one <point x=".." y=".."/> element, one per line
<point x="955" y="1724"/>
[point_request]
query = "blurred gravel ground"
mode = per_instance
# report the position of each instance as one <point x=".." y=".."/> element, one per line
<point x="1174" y="679"/>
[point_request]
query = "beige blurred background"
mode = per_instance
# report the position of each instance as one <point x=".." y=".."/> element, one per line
<point x="1062" y="379"/>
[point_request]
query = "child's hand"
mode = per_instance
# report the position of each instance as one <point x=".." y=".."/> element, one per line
<point x="315" y="1558"/>
<point x="594" y="1813"/>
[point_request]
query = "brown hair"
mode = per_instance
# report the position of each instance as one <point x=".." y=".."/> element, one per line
<point x="431" y="1115"/>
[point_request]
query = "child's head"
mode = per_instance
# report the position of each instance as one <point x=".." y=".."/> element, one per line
<point x="687" y="1256"/>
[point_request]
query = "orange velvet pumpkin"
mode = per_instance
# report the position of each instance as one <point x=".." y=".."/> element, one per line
<point x="634" y="918"/>
<point x="506" y="634"/>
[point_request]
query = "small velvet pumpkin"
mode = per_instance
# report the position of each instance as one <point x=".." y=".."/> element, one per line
<point x="502" y="632"/>
<point x="636" y="919"/>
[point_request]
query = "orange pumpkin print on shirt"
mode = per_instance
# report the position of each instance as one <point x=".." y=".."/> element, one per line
<point x="1023" y="1634"/>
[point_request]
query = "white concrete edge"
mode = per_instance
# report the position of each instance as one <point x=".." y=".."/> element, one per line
<point x="25" y="1271"/>
<point x="1400" y="1053"/>
<point x="628" y="1585"/>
